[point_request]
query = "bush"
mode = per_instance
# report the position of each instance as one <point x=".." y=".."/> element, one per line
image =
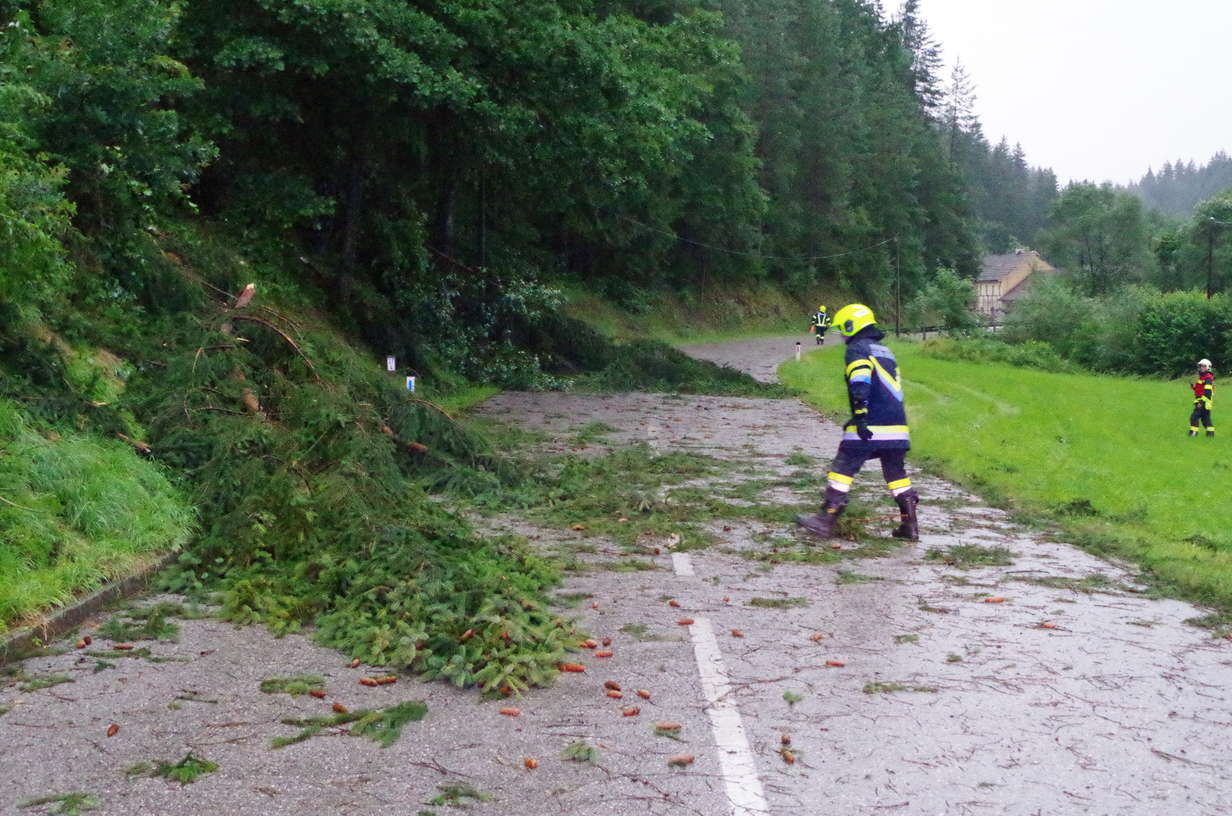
<point x="1111" y="339"/>
<point x="1135" y="330"/>
<point x="33" y="212"/>
<point x="1179" y="328"/>
<point x="114" y="123"/>
<point x="1050" y="313"/>
<point x="1030" y="354"/>
<point x="946" y="301"/>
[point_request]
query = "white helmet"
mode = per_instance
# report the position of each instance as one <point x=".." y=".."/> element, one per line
<point x="1204" y="362"/>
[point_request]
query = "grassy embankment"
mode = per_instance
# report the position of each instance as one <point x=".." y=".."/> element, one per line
<point x="76" y="511"/>
<point x="1105" y="457"/>
<point x="702" y="315"/>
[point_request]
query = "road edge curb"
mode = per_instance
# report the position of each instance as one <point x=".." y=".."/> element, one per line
<point x="62" y="620"/>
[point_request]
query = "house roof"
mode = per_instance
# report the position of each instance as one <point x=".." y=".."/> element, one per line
<point x="999" y="267"/>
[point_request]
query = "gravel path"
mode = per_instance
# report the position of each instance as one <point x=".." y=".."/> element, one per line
<point x="899" y="687"/>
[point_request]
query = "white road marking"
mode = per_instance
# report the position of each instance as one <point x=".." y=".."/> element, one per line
<point x="736" y="761"/>
<point x="682" y="564"/>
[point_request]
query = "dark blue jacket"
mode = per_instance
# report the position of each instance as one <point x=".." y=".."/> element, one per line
<point x="873" y="382"/>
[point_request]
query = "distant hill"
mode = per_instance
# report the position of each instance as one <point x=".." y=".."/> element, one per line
<point x="1179" y="185"/>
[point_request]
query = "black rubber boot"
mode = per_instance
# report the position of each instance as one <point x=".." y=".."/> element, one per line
<point x="909" y="528"/>
<point x="821" y="523"/>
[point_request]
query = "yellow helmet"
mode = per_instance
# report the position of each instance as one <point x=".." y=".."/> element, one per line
<point x="853" y="317"/>
<point x="821" y="308"/>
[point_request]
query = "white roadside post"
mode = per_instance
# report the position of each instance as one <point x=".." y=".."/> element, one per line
<point x="798" y="349"/>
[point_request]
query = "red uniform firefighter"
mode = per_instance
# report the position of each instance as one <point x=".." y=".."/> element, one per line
<point x="877" y="428"/>
<point x="1204" y="398"/>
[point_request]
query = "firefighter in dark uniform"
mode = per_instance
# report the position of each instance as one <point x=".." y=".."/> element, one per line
<point x="877" y="428"/>
<point x="820" y="322"/>
<point x="1204" y="399"/>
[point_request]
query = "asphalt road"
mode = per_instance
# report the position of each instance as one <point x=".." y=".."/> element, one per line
<point x="898" y="687"/>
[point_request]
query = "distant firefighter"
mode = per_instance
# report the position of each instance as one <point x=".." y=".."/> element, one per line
<point x="819" y="323"/>
<point x="1204" y="400"/>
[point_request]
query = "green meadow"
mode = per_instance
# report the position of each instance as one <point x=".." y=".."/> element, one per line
<point x="1107" y="459"/>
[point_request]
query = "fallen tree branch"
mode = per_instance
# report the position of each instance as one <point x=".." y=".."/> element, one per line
<point x="220" y="410"/>
<point x="18" y="506"/>
<point x="283" y="318"/>
<point x="433" y="406"/>
<point x="286" y="337"/>
<point x="141" y="447"/>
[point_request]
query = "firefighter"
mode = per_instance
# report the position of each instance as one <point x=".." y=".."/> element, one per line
<point x="1204" y="398"/>
<point x="877" y="428"/>
<point x="820" y="322"/>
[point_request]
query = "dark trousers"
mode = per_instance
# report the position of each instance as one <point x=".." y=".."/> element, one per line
<point x="851" y="457"/>
<point x="1201" y="417"/>
<point x="849" y="461"/>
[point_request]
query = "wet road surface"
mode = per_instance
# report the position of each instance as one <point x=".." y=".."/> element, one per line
<point x="898" y="687"/>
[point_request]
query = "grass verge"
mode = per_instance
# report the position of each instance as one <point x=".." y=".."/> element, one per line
<point x="75" y="512"/>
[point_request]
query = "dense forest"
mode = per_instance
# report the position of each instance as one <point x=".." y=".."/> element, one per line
<point x="1179" y="186"/>
<point x="437" y="170"/>
<point x="1010" y="201"/>
<point x="434" y="164"/>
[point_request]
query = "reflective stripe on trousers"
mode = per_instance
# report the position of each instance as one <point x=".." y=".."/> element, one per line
<point x="881" y="433"/>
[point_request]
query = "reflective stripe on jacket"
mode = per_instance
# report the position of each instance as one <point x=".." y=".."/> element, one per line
<point x="872" y="376"/>
<point x="1204" y="389"/>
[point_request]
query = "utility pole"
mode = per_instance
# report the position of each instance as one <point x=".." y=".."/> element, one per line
<point x="1210" y="256"/>
<point x="483" y="218"/>
<point x="898" y="289"/>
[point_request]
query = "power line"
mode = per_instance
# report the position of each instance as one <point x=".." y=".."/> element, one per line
<point x="803" y="259"/>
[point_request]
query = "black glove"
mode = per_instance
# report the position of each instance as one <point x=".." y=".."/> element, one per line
<point x="859" y="418"/>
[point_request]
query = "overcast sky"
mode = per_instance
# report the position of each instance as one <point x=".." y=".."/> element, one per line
<point x="1095" y="89"/>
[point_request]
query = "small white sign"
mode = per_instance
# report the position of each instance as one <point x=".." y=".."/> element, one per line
<point x="410" y="384"/>
<point x="391" y="364"/>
